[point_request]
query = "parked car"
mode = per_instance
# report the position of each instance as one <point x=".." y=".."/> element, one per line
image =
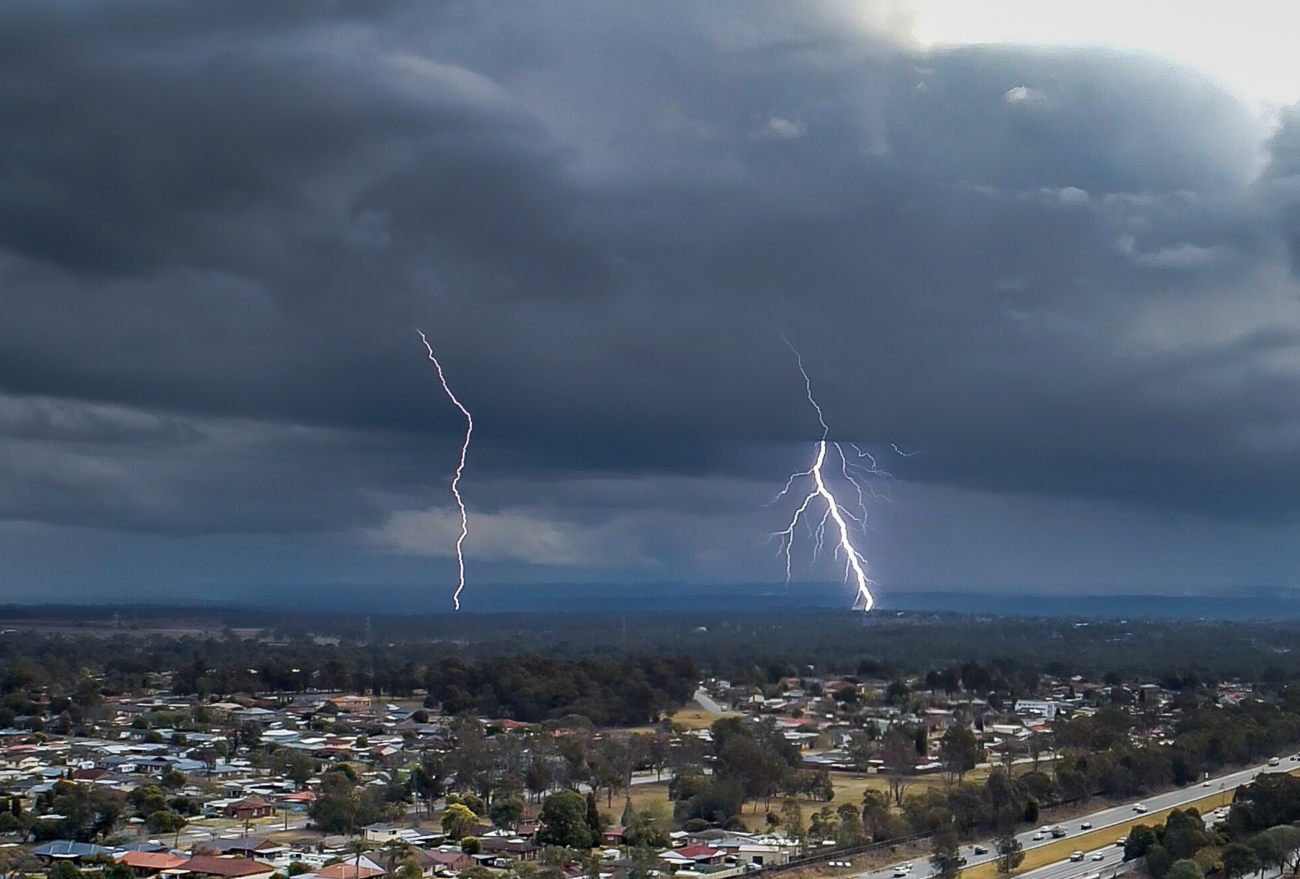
<point x="981" y="850"/>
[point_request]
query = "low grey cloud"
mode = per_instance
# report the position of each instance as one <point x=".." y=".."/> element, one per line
<point x="1065" y="276"/>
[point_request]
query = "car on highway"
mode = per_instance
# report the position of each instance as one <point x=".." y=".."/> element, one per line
<point x="1099" y="856"/>
<point x="1086" y="825"/>
<point x="1274" y="761"/>
<point x="899" y="871"/>
<point x="1076" y="856"/>
<point x="1121" y="842"/>
<point x="1139" y="807"/>
<point x="1038" y="834"/>
<point x="981" y="850"/>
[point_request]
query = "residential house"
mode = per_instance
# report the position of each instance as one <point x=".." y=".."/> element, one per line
<point x="515" y="847"/>
<point x="444" y="860"/>
<point x="249" y="808"/>
<point x="150" y="863"/>
<point x="352" y="868"/>
<point x="227" y="868"/>
<point x="68" y="850"/>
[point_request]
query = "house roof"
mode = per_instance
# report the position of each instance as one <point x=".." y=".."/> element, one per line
<point x="349" y="871"/>
<point x="66" y="848"/>
<point x="697" y="852"/>
<point x="151" y="860"/>
<point x="227" y="868"/>
<point x="446" y="859"/>
<point x="253" y="802"/>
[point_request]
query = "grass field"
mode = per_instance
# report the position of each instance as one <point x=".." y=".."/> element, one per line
<point x="695" y="717"/>
<point x="848" y="787"/>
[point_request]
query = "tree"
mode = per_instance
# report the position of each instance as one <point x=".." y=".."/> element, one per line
<point x="564" y="815"/>
<point x="1184" y="869"/>
<point x="1010" y="852"/>
<point x="1239" y="860"/>
<point x="293" y="764"/>
<point x="1267" y="849"/>
<point x="165" y="821"/>
<point x="875" y="814"/>
<point x="945" y="857"/>
<point x="1158" y="861"/>
<point x="470" y="845"/>
<point x="1287" y="839"/>
<point x="959" y="751"/>
<point x="505" y="812"/>
<point x="15" y="860"/>
<point x="792" y="819"/>
<point x="897" y="752"/>
<point x="457" y="820"/>
<point x="848" y="830"/>
<point x="1140" y="838"/>
<point x="63" y="870"/>
<point x="594" y="820"/>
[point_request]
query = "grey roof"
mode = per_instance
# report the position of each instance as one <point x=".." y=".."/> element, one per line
<point x="66" y="848"/>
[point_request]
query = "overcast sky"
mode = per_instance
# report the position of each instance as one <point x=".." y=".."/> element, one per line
<point x="1052" y="252"/>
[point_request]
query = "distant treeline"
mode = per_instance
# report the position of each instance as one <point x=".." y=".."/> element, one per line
<point x="608" y="691"/>
<point x="533" y="665"/>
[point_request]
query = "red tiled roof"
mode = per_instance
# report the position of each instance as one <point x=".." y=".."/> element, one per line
<point x="227" y="868"/>
<point x="151" y="860"/>
<point x="697" y="852"/>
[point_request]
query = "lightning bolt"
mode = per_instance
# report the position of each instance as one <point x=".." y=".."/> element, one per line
<point x="460" y="469"/>
<point x="855" y="564"/>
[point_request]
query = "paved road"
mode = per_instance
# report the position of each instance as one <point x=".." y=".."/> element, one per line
<point x="1099" y="820"/>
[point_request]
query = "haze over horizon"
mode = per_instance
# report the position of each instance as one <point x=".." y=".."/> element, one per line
<point x="1054" y="252"/>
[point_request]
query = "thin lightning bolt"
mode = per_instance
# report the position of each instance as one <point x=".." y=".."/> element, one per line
<point x="460" y="469"/>
<point x="855" y="565"/>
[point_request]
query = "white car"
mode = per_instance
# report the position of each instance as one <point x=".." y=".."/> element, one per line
<point x="900" y="872"/>
<point x="1099" y="856"/>
<point x="1205" y="783"/>
<point x="1139" y="807"/>
<point x="1038" y="834"/>
<point x="1086" y="825"/>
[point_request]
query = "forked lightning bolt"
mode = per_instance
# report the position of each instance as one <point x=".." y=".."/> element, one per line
<point x="855" y="565"/>
<point x="460" y="469"/>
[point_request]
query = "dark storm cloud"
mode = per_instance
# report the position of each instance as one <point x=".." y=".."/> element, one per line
<point x="1059" y="273"/>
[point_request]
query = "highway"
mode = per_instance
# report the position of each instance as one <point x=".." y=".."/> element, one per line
<point x="1112" y="854"/>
